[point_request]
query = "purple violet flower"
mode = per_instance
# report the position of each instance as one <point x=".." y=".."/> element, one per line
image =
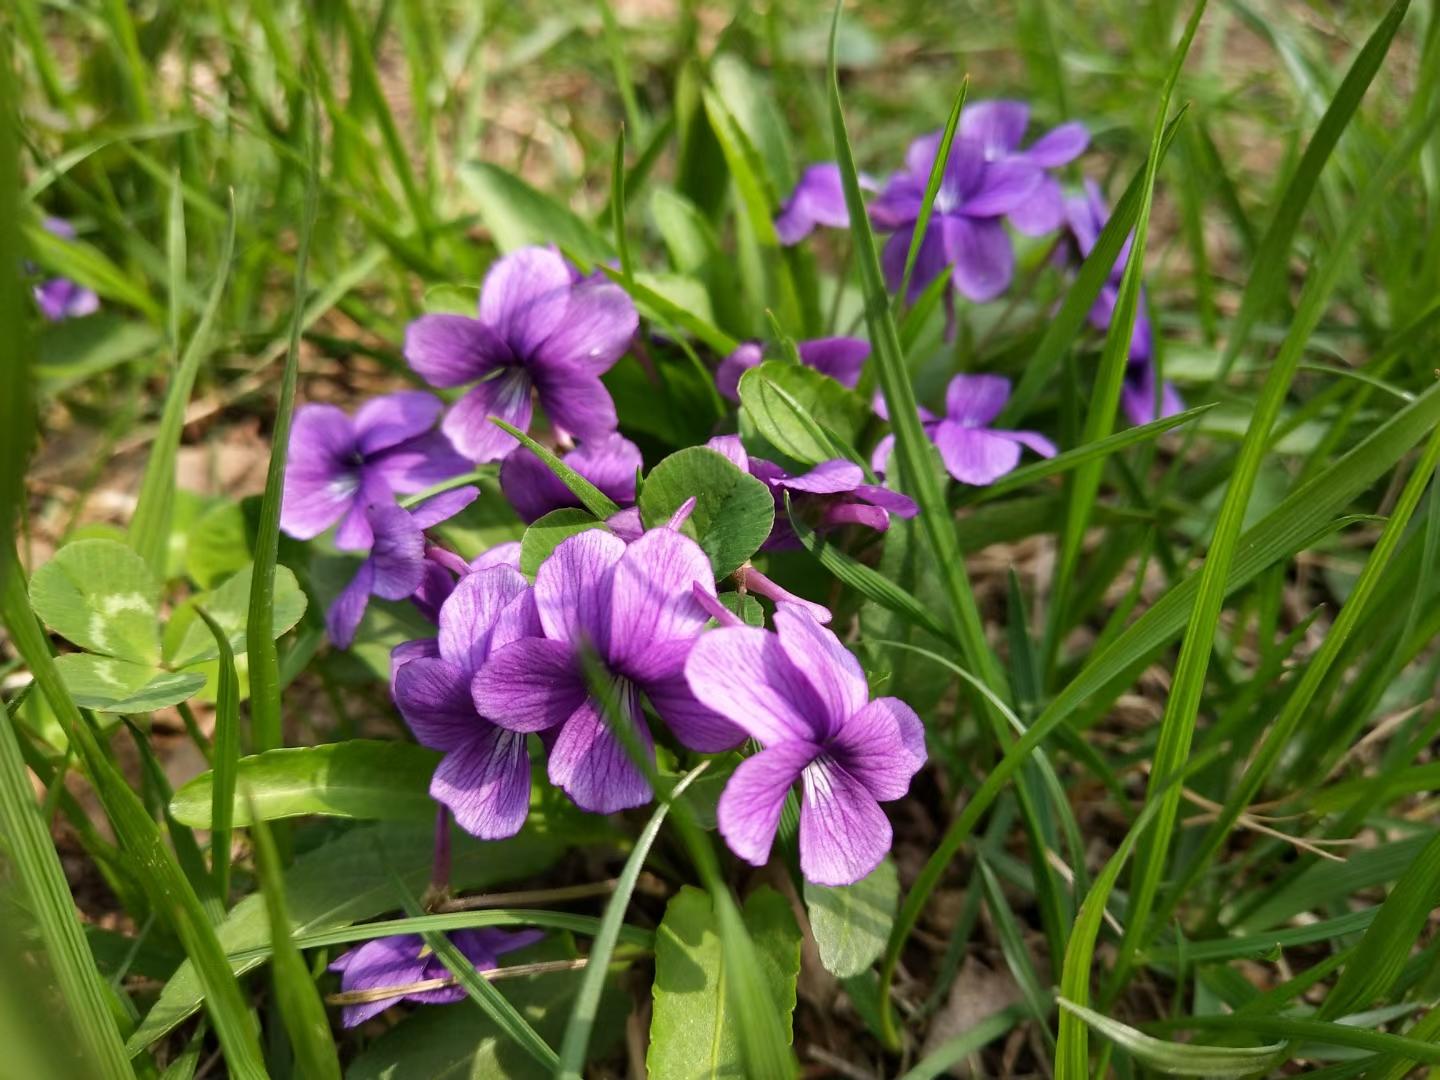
<point x="484" y="778"/>
<point x="835" y="491"/>
<point x="338" y="467"/>
<point x="403" y="961"/>
<point x="965" y="232"/>
<point x="999" y="127"/>
<point x="973" y="452"/>
<point x="396" y="566"/>
<point x="631" y="608"/>
<point x="1085" y="217"/>
<point x="801" y="694"/>
<point x="610" y="463"/>
<point x="60" y="298"/>
<point x="539" y="333"/>
<point x="818" y="199"/>
<point x="842" y="358"/>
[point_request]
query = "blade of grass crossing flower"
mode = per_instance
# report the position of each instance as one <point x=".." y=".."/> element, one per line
<point x="1114" y="359"/>
<point x="226" y="763"/>
<point x="32" y="853"/>
<point x="591" y="497"/>
<point x="592" y="984"/>
<point x="300" y="1007"/>
<point x="1314" y="672"/>
<point x="261" y="652"/>
<point x="1177" y="727"/>
<point x="154" y="513"/>
<point x="169" y="891"/>
<point x="932" y="190"/>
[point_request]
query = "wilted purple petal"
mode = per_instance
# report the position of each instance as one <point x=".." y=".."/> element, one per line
<point x="589" y="763"/>
<point x="530" y="685"/>
<point x="749" y="810"/>
<point x="882" y="746"/>
<point x="468" y="425"/>
<point x="843" y="832"/>
<point x="486" y="783"/>
<point x="452" y="350"/>
<point x="754" y="581"/>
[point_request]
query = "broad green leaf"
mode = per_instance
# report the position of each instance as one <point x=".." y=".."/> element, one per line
<point x="109" y="684"/>
<point x="100" y="595"/>
<point x="692" y="1034"/>
<point x="688" y="236"/>
<point x="345" y="881"/>
<point x="549" y="532"/>
<point x="679" y="292"/>
<point x="852" y="922"/>
<point x="666" y="310"/>
<point x="365" y="779"/>
<point x="753" y="106"/>
<point x="220" y="541"/>
<point x="733" y="513"/>
<point x="187" y="639"/>
<point x="518" y="215"/>
<point x="72" y="350"/>
<point x="821" y="400"/>
<point x="1180" y="1059"/>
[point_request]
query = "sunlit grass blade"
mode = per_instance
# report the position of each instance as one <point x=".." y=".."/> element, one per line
<point x="226" y="760"/>
<point x="155" y="511"/>
<point x="1176" y="1059"/>
<point x="1182" y="706"/>
<point x="17" y="415"/>
<point x="262" y="656"/>
<point x="299" y="1001"/>
<point x="31" y="853"/>
<point x="175" y="252"/>
<point x="591" y="497"/>
<point x="592" y="985"/>
<point x="932" y="190"/>
<point x="1084" y="486"/>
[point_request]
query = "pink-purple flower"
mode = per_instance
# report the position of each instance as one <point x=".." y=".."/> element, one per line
<point x="818" y="199"/>
<point x="801" y="694"/>
<point x="973" y="451"/>
<point x="484" y="777"/>
<point x="842" y="358"/>
<point x="540" y="335"/>
<point x="626" y="613"/>
<point x="338" y="467"/>
<point x="402" y="961"/>
<point x="610" y="463"/>
<point x="999" y="127"/>
<point x="60" y="298"/>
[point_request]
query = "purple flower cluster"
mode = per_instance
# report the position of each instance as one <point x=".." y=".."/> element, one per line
<point x="60" y="298"/>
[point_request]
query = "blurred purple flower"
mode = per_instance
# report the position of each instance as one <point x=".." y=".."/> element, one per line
<point x="1085" y="218"/>
<point x="60" y="298"/>
<point x="395" y="567"/>
<point x="973" y="452"/>
<point x="842" y="358"/>
<point x="631" y="610"/>
<point x="338" y="467"/>
<point x="610" y="463"/>
<point x="539" y="333"/>
<point x="999" y="127"/>
<point x="818" y="199"/>
<point x="834" y="492"/>
<point x="801" y="694"/>
<point x="404" y="960"/>
<point x="484" y="778"/>
<point x="965" y="232"/>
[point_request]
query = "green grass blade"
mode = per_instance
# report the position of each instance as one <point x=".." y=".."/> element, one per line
<point x="150" y="529"/>
<point x="226" y="760"/>
<point x="1114" y="361"/>
<point x="587" y="999"/>
<point x="949" y="1054"/>
<point x="175" y="250"/>
<point x="932" y="190"/>
<point x="31" y="853"/>
<point x="617" y="202"/>
<point x="261" y="652"/>
<point x="17" y="413"/>
<point x="1173" y="1059"/>
<point x="1182" y="706"/>
<point x="591" y="497"/>
<point x="299" y="1001"/>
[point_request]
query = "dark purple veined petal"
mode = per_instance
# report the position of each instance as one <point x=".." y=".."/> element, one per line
<point x="573" y="588"/>
<point x="818" y="199"/>
<point x="742" y="358"/>
<point x="407" y="651"/>
<point x="576" y="401"/>
<point x="742" y="673"/>
<point x="596" y="328"/>
<point x="468" y="617"/>
<point x="976" y="399"/>
<point x="322" y="473"/>
<point x="390" y="419"/>
<point x="530" y="487"/>
<point x="700" y="728"/>
<point x="1059" y="146"/>
<point x="882" y="746"/>
<point x="749" y="810"/>
<point x="419" y="463"/>
<point x="524" y="298"/>
<point x="827" y="478"/>
<point x="591" y="765"/>
<point x="529" y="685"/>
<point x="384" y="962"/>
<point x="398" y="553"/>
<point x="433" y="695"/>
<point x="843" y="832"/>
<point x="831" y="670"/>
<point x="452" y="350"/>
<point x="998" y="125"/>
<point x="345" y="612"/>
<point x="486" y="783"/>
<point x="979" y="253"/>
<point x="974" y="455"/>
<point x="1043" y="212"/>
<point x="842" y="358"/>
<point x="651" y="603"/>
<point x="468" y="425"/>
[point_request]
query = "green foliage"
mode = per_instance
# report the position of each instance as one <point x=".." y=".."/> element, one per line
<point x="692" y="1032"/>
<point x="801" y="412"/>
<point x="733" y="511"/>
<point x="549" y="532"/>
<point x="852" y="922"/>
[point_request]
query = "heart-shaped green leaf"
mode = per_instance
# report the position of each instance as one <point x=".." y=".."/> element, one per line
<point x="733" y="514"/>
<point x="100" y="595"/>
<point x="109" y="684"/>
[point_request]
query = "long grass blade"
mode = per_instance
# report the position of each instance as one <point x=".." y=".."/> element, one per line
<point x="226" y="760"/>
